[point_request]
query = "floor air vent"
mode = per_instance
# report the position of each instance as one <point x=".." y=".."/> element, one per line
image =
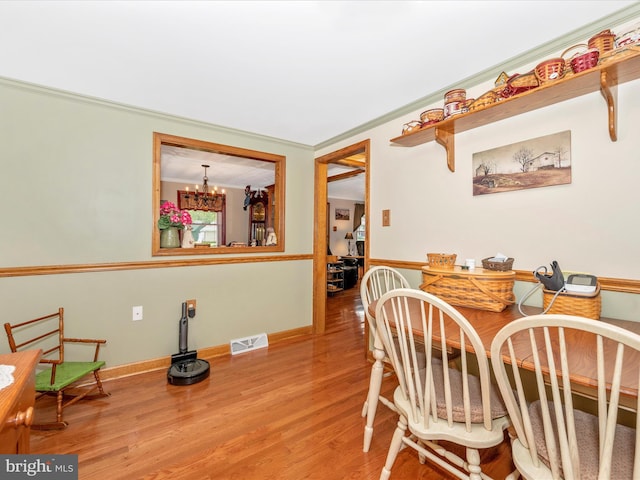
<point x="246" y="344"/>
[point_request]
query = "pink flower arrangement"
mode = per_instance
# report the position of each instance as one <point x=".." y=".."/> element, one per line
<point x="171" y="216"/>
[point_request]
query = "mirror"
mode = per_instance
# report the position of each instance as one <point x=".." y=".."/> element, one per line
<point x="243" y="210"/>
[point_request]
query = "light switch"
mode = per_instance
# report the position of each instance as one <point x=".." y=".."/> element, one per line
<point x="386" y="218"/>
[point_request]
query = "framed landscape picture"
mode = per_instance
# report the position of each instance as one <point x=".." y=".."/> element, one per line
<point x="539" y="162"/>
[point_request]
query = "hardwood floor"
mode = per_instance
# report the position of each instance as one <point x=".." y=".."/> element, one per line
<point x="290" y="411"/>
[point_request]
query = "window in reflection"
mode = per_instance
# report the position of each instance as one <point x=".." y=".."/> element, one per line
<point x="207" y="228"/>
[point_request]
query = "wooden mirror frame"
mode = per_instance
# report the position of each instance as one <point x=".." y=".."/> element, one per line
<point x="279" y="162"/>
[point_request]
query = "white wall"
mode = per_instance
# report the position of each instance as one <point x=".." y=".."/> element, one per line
<point x="589" y="225"/>
<point x="76" y="188"/>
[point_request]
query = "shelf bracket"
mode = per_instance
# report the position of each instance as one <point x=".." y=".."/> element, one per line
<point x="609" y="90"/>
<point x="445" y="137"/>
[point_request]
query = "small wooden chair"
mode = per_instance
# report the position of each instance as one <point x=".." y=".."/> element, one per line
<point x="62" y="375"/>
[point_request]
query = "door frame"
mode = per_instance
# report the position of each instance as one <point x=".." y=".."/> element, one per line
<point x="321" y="225"/>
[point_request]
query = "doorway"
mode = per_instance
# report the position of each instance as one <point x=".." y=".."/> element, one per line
<point x="356" y="156"/>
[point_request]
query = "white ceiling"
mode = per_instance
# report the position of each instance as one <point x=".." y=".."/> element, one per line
<point x="186" y="166"/>
<point x="301" y="71"/>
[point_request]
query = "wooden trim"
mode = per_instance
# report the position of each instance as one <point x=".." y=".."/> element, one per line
<point x="344" y="175"/>
<point x="279" y="162"/>
<point x="610" y="284"/>
<point x="320" y="223"/>
<point x="606" y="283"/>
<point x="115" y="266"/>
<point x="143" y="366"/>
<point x="278" y="337"/>
<point x="320" y="246"/>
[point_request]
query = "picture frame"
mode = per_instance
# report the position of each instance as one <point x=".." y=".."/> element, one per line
<point x="533" y="163"/>
<point x="342" y="214"/>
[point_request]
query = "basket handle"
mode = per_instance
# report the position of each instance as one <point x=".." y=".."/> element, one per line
<point x="509" y="301"/>
<point x="434" y="278"/>
<point x="409" y="126"/>
<point x="579" y="45"/>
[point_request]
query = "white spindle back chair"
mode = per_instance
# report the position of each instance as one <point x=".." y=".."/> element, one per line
<point x="436" y="401"/>
<point x="376" y="282"/>
<point x="555" y="439"/>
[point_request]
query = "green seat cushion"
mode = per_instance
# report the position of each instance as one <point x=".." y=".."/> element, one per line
<point x="66" y="374"/>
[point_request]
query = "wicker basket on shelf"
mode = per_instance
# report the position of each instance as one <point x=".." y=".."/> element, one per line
<point x="455" y="95"/>
<point x="523" y="80"/>
<point x="411" y="126"/>
<point x="484" y="100"/>
<point x="583" y="57"/>
<point x="603" y="41"/>
<point x="441" y="260"/>
<point x="490" y="264"/>
<point x="519" y="83"/>
<point x="433" y="115"/>
<point x="630" y="37"/>
<point x="467" y="103"/>
<point x="550" y="70"/>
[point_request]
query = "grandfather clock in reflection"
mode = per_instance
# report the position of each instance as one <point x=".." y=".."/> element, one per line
<point x="258" y="216"/>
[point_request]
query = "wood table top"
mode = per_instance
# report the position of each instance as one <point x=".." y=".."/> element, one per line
<point x="487" y="324"/>
<point x="24" y="363"/>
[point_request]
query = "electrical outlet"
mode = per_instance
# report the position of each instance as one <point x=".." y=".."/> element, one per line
<point x="191" y="304"/>
<point x="137" y="313"/>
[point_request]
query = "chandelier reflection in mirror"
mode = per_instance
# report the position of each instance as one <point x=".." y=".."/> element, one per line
<point x="204" y="199"/>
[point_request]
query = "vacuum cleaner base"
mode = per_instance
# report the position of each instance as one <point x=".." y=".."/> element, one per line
<point x="188" y="372"/>
<point x="187" y="369"/>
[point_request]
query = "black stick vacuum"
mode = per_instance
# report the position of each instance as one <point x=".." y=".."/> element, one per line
<point x="186" y="368"/>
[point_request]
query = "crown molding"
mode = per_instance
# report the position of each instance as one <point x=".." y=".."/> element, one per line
<point x="571" y="38"/>
<point x="44" y="90"/>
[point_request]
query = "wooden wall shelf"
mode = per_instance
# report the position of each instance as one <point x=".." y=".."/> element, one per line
<point x="617" y="67"/>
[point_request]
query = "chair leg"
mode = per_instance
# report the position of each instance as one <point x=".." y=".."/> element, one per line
<point x="60" y="405"/>
<point x="96" y="375"/>
<point x="375" y="384"/>
<point x="515" y="475"/>
<point x="473" y="464"/>
<point x="59" y="399"/>
<point x="394" y="448"/>
<point x="59" y="423"/>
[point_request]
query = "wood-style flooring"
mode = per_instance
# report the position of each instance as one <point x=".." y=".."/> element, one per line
<point x="287" y="412"/>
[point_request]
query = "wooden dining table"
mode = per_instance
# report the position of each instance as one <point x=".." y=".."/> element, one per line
<point x="487" y="324"/>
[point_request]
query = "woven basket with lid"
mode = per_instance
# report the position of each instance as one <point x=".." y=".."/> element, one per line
<point x="603" y="41"/>
<point x="455" y="95"/>
<point x="478" y="288"/>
